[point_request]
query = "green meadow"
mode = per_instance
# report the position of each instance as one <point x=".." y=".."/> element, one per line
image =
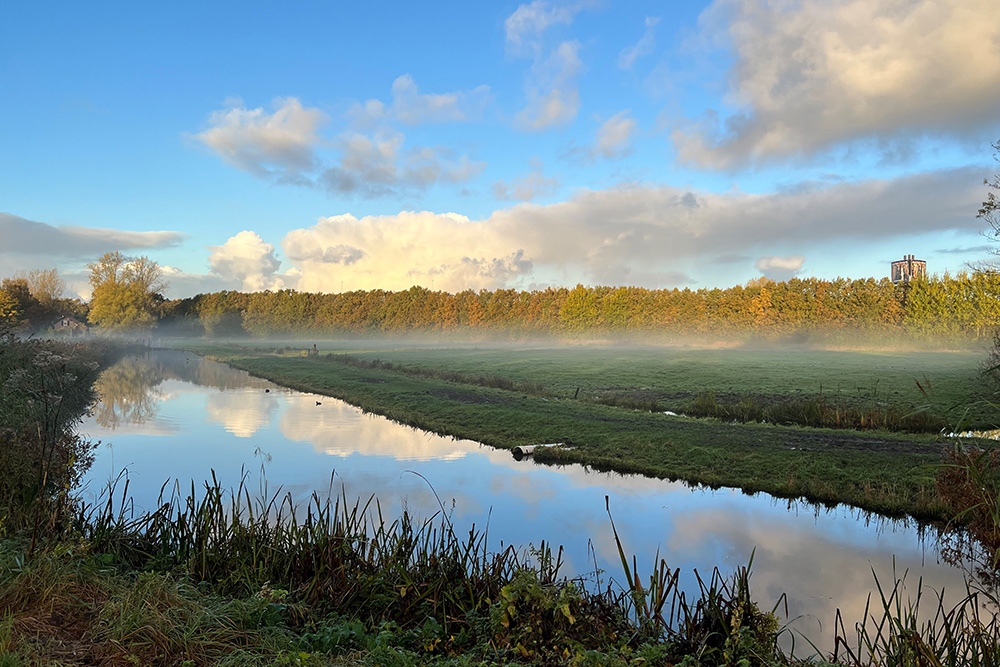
<point x="607" y="405"/>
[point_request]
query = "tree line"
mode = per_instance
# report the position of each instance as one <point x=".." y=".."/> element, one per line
<point x="127" y="296"/>
<point x="963" y="306"/>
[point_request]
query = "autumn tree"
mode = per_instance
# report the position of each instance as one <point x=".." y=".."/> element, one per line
<point x="126" y="291"/>
<point x="10" y="311"/>
<point x="15" y="301"/>
<point x="45" y="285"/>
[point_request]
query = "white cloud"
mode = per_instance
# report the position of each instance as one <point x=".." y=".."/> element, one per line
<point x="614" y="137"/>
<point x="27" y="237"/>
<point x="284" y="146"/>
<point x="368" y="115"/>
<point x="411" y="107"/>
<point x="525" y="26"/>
<point x="278" y="145"/>
<point x="247" y="259"/>
<point x="552" y="90"/>
<point x="27" y="244"/>
<point x="377" y="165"/>
<point x="527" y="187"/>
<point x="809" y="75"/>
<point x="627" y="235"/>
<point x="643" y="47"/>
<point x="780" y="268"/>
<point x="444" y="251"/>
<point x="182" y="284"/>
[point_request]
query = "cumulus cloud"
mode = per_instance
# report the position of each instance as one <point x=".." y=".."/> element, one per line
<point x="444" y="251"/>
<point x="28" y="237"/>
<point x="284" y="146"/>
<point x="809" y="75"/>
<point x="628" y="235"/>
<point x="180" y="283"/>
<point x="643" y="47"/>
<point x="780" y="268"/>
<point x="279" y="145"/>
<point x="247" y="259"/>
<point x="377" y="165"/>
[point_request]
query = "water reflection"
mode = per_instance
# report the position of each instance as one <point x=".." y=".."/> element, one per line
<point x="128" y="393"/>
<point x="131" y="391"/>
<point x="176" y="416"/>
<point x="334" y="428"/>
<point x="243" y="413"/>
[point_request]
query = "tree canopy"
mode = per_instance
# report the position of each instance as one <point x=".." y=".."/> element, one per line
<point x="126" y="291"/>
<point x="45" y="285"/>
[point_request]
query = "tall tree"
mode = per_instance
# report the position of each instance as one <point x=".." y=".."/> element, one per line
<point x="990" y="212"/>
<point x="126" y="291"/>
<point x="45" y="285"/>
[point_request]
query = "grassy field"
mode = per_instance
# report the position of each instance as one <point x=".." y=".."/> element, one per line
<point x="945" y="383"/>
<point x="507" y="397"/>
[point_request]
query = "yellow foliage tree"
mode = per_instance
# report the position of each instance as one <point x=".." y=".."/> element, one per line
<point x="125" y="290"/>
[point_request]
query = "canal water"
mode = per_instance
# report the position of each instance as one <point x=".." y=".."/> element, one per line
<point x="171" y="416"/>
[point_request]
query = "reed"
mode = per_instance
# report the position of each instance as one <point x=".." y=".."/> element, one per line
<point x="898" y="632"/>
<point x="342" y="556"/>
<point x="720" y="625"/>
<point x="818" y="412"/>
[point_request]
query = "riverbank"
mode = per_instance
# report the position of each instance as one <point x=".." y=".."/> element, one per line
<point x="888" y="473"/>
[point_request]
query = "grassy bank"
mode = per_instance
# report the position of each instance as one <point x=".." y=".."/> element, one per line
<point x="945" y="384"/>
<point x="889" y="473"/>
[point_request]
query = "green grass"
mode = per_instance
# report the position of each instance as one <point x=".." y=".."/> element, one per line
<point x="888" y="473"/>
<point x="949" y="382"/>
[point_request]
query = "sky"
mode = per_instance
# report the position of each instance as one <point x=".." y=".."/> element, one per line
<point x="333" y="146"/>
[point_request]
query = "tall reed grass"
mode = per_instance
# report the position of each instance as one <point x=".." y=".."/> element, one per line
<point x="345" y="557"/>
<point x="817" y="412"/>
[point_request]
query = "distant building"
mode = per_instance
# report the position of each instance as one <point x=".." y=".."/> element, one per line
<point x="69" y="324"/>
<point x="908" y="269"/>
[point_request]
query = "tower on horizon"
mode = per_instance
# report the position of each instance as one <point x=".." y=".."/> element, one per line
<point x="907" y="269"/>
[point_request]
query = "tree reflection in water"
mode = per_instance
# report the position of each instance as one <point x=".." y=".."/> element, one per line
<point x="128" y="392"/>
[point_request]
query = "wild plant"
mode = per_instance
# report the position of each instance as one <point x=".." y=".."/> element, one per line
<point x="894" y="632"/>
<point x="722" y="625"/>
<point x="345" y="556"/>
<point x="44" y="389"/>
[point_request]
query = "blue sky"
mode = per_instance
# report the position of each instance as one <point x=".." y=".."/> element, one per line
<point x="455" y="145"/>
